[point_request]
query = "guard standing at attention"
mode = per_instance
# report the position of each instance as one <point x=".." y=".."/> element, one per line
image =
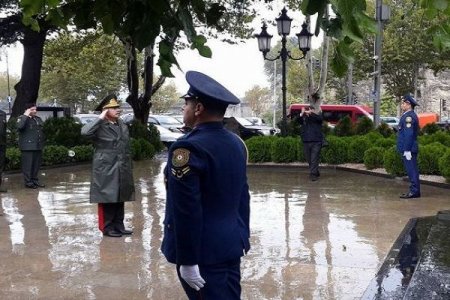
<point x="407" y="145"/>
<point x="3" y="128"/>
<point x="112" y="176"/>
<point x="31" y="143"/>
<point x="206" y="224"/>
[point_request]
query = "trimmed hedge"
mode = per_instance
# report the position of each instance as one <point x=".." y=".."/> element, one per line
<point x="393" y="162"/>
<point x="373" y="157"/>
<point x="259" y="148"/>
<point x="285" y="149"/>
<point x="336" y="152"/>
<point x="444" y="165"/>
<point x="356" y="149"/>
<point x="428" y="158"/>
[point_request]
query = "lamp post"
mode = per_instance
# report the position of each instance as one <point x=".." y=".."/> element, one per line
<point x="304" y="44"/>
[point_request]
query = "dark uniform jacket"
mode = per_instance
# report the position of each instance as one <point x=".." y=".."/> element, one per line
<point x="112" y="177"/>
<point x="2" y="129"/>
<point x="311" y="130"/>
<point x="31" y="134"/>
<point x="408" y="129"/>
<point x="208" y="202"/>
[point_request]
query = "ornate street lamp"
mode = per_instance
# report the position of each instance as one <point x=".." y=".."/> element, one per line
<point x="304" y="44"/>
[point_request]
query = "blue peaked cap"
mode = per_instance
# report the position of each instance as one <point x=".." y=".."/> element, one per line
<point x="207" y="89"/>
<point x="410" y="99"/>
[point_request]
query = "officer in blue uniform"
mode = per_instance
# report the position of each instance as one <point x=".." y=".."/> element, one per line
<point x="206" y="225"/>
<point x="407" y="146"/>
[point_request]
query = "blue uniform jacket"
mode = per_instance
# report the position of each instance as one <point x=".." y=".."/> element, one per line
<point x="208" y="202"/>
<point x="408" y="129"/>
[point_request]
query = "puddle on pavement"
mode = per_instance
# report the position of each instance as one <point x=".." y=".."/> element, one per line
<point x="310" y="240"/>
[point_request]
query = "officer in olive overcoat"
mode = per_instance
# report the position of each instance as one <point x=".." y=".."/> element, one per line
<point x="31" y="143"/>
<point x="2" y="147"/>
<point x="112" y="178"/>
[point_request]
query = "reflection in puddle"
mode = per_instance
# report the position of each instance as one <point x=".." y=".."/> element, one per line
<point x="321" y="240"/>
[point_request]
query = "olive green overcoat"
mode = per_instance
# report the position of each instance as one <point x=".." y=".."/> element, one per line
<point x="112" y="174"/>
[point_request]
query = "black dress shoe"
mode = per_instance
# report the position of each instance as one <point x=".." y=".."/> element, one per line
<point x="409" y="196"/>
<point x="39" y="184"/>
<point x="31" y="186"/>
<point x="112" y="233"/>
<point x="125" y="231"/>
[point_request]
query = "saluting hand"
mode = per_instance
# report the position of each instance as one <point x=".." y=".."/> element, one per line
<point x="27" y="112"/>
<point x="191" y="274"/>
<point x="103" y="114"/>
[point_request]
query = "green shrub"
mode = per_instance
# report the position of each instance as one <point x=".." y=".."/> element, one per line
<point x="385" y="143"/>
<point x="344" y="127"/>
<point x="136" y="150"/>
<point x="149" y="132"/>
<point x="336" y="152"/>
<point x="444" y="165"/>
<point x="147" y="149"/>
<point x="364" y="125"/>
<point x="430" y="128"/>
<point x="13" y="158"/>
<point x="285" y="149"/>
<point x="63" y="132"/>
<point x="259" y="148"/>
<point x="326" y="129"/>
<point x="12" y="135"/>
<point x="428" y="158"/>
<point x="356" y="148"/>
<point x="54" y="155"/>
<point x="373" y="136"/>
<point x="385" y="130"/>
<point x="373" y="157"/>
<point x="392" y="162"/>
<point x="82" y="153"/>
<point x="293" y="127"/>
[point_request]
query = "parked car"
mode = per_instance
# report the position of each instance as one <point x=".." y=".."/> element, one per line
<point x="168" y="122"/>
<point x="245" y="129"/>
<point x="85" y="118"/>
<point x="167" y="136"/>
<point x="391" y="122"/>
<point x="333" y="113"/>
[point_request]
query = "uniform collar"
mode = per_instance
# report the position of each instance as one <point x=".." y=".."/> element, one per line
<point x="210" y="125"/>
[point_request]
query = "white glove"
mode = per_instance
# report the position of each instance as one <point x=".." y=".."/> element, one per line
<point x="407" y="154"/>
<point x="191" y="274"/>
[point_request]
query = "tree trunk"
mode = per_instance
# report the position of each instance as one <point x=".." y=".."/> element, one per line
<point x="324" y="65"/>
<point x="27" y="88"/>
<point x="141" y="104"/>
<point x="310" y="66"/>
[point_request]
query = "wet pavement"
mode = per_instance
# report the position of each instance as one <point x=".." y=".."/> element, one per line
<point x="310" y="240"/>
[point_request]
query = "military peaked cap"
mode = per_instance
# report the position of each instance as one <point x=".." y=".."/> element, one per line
<point x="109" y="101"/>
<point x="205" y="88"/>
<point x="410" y="99"/>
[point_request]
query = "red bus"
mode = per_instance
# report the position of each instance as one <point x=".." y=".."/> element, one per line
<point x="332" y="113"/>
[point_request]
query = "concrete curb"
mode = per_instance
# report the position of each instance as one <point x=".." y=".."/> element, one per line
<point x="348" y="169"/>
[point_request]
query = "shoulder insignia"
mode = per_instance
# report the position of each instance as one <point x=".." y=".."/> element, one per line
<point x="408" y="119"/>
<point x="180" y="157"/>
<point x="18" y="120"/>
<point x="179" y="173"/>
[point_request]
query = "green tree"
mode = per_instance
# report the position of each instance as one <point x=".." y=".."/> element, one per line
<point x="78" y="67"/>
<point x="148" y="26"/>
<point x="408" y="49"/>
<point x="4" y="86"/>
<point x="259" y="99"/>
<point x="165" y="98"/>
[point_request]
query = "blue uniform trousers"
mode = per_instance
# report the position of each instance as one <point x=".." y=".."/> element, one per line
<point x="412" y="170"/>
<point x="222" y="282"/>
